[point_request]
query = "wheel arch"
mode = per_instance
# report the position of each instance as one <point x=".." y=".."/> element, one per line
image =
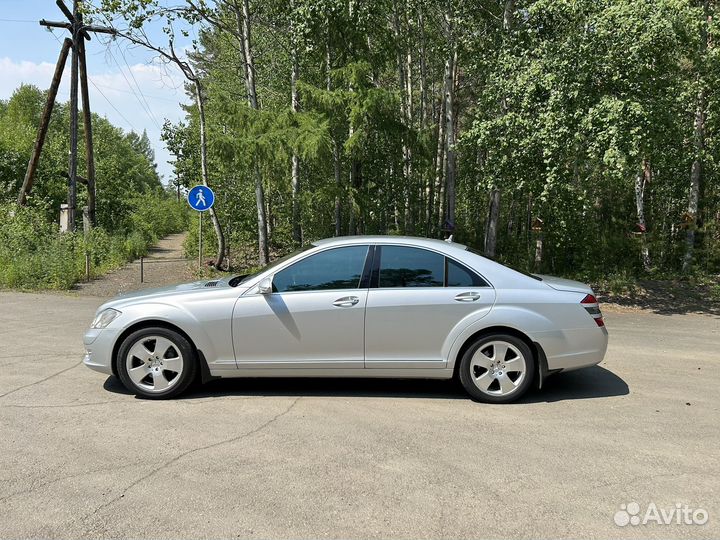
<point x="148" y="323"/>
<point x="536" y="349"/>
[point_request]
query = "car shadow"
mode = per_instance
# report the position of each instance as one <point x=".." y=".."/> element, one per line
<point x="594" y="382"/>
<point x="588" y="383"/>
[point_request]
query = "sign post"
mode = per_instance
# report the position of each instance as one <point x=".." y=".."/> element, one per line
<point x="201" y="198"/>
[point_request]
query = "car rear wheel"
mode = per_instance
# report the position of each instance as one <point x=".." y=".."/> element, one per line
<point x="156" y="363"/>
<point x="497" y="368"/>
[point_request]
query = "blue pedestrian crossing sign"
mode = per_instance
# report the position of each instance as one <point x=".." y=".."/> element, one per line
<point x="201" y="198"/>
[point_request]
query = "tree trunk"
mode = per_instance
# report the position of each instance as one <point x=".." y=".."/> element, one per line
<point x="249" y="59"/>
<point x="437" y="181"/>
<point x="508" y="11"/>
<point x="241" y="39"/>
<point x="428" y="177"/>
<point x="337" y="164"/>
<point x="423" y="69"/>
<point x="253" y="102"/>
<point x="538" y="251"/>
<point x="408" y="170"/>
<point x="269" y="217"/>
<point x="355" y="186"/>
<point x="355" y="179"/>
<point x="403" y="61"/>
<point x="511" y="218"/>
<point x="698" y="147"/>
<point x="528" y="224"/>
<point x="641" y="181"/>
<point x="695" y="179"/>
<point x="295" y="105"/>
<point x="492" y="223"/>
<point x="263" y="251"/>
<point x="338" y="186"/>
<point x="199" y="100"/>
<point x="450" y="163"/>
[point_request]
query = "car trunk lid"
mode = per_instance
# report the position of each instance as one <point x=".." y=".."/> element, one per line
<point x="562" y="284"/>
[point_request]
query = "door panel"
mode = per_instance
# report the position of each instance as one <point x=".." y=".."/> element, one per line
<point x="418" y="298"/>
<point x="315" y="317"/>
<point x="407" y="327"/>
<point x="301" y="329"/>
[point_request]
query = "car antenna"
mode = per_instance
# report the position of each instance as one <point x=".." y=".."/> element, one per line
<point x="449" y="239"/>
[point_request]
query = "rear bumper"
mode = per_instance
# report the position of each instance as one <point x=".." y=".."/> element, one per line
<point x="567" y="350"/>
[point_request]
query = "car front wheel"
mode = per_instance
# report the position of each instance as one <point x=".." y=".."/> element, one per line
<point x="156" y="363"/>
<point x="497" y="368"/>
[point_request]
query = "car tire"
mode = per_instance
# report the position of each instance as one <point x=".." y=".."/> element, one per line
<point x="497" y="368"/>
<point x="156" y="363"/>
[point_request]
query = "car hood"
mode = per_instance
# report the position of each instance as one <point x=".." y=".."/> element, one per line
<point x="170" y="292"/>
<point x="562" y="284"/>
<point x="174" y="289"/>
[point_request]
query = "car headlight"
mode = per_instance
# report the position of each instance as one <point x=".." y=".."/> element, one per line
<point x="104" y="318"/>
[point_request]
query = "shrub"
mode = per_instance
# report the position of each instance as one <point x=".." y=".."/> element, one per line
<point x="34" y="254"/>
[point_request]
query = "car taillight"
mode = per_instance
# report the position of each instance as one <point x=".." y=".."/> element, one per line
<point x="591" y="305"/>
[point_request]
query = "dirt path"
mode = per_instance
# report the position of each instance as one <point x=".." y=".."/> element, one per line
<point x="163" y="265"/>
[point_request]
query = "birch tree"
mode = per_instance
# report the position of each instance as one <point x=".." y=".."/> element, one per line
<point x="138" y="37"/>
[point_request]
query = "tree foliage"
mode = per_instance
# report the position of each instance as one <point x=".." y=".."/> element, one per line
<point x="558" y="134"/>
<point x="133" y="209"/>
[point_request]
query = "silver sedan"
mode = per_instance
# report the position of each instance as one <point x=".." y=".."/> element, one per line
<point x="365" y="306"/>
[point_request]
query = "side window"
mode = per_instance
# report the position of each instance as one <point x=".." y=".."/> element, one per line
<point x="461" y="276"/>
<point x="339" y="268"/>
<point x="410" y="267"/>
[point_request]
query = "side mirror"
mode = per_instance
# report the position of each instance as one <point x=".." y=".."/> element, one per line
<point x="265" y="286"/>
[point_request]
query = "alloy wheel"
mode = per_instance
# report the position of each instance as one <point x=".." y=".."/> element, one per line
<point x="498" y="368"/>
<point x="154" y="363"/>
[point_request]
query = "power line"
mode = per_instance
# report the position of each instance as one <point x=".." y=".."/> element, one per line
<point x="18" y="20"/>
<point x="136" y="83"/>
<point x="113" y="106"/>
<point x="53" y="35"/>
<point x="144" y="105"/>
<point x="151" y="96"/>
<point x="102" y="94"/>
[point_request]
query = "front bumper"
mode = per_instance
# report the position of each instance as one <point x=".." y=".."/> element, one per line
<point x="99" y="345"/>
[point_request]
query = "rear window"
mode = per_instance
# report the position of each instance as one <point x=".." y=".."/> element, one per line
<point x="404" y="266"/>
<point x="523" y="272"/>
<point x="410" y="267"/>
<point x="461" y="276"/>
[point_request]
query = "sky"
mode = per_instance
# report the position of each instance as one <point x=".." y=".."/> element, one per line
<point x="128" y="85"/>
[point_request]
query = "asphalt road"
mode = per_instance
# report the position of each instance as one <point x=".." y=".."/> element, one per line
<point x="81" y="458"/>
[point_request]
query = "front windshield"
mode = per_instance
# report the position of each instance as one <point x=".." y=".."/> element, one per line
<point x="238" y="280"/>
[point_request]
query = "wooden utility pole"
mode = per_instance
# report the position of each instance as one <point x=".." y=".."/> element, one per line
<point x="44" y="122"/>
<point x="72" y="165"/>
<point x="87" y="125"/>
<point x="78" y="77"/>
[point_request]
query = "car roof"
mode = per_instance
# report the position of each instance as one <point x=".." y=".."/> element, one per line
<point x="498" y="275"/>
<point x="388" y="239"/>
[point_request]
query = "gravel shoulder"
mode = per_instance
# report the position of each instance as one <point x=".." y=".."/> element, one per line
<point x="665" y="297"/>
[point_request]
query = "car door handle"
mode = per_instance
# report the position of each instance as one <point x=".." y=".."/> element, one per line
<point x="346" y="301"/>
<point x="467" y="297"/>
